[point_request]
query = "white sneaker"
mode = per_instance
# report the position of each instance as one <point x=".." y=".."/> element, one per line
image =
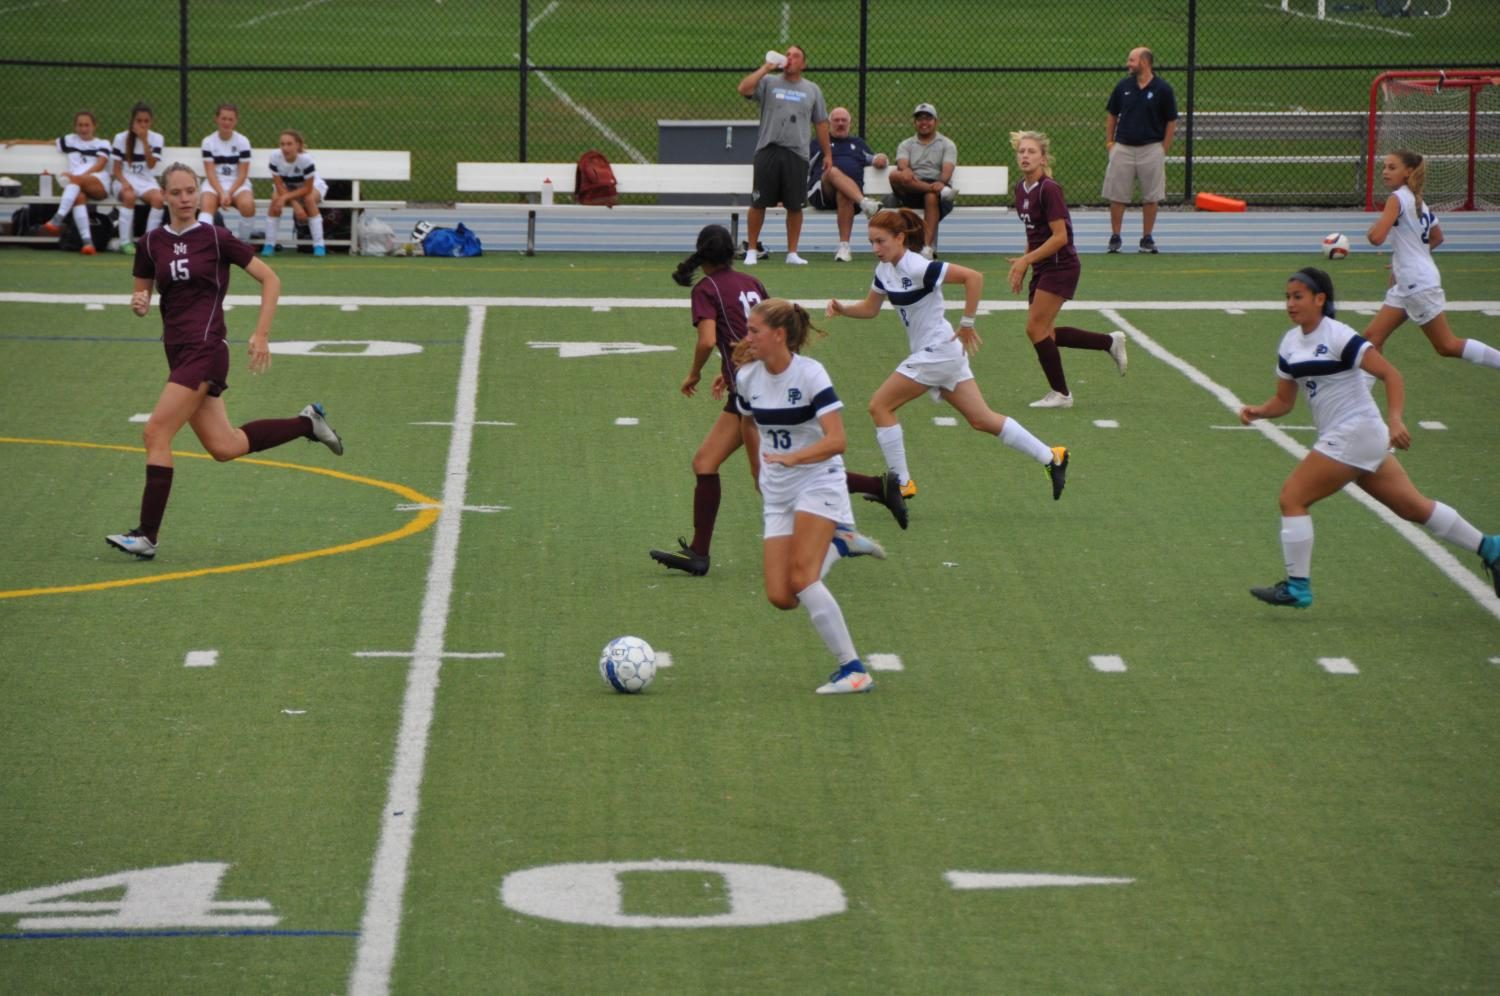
<point x="928" y="253"/>
<point x="856" y="544"/>
<point x="870" y="206"/>
<point x="132" y="543"/>
<point x="322" y="431"/>
<point x="844" y="255"/>
<point x="749" y="257"/>
<point x="792" y="259"/>
<point x="852" y="677"/>
<point x="1054" y="400"/>
<point x="948" y="193"/>
<point x="1117" y="352"/>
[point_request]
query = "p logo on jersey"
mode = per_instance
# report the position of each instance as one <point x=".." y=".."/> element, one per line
<point x="1321" y="351"/>
<point x="793" y="395"/>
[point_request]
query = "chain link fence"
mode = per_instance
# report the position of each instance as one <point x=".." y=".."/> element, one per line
<point x="1278" y="90"/>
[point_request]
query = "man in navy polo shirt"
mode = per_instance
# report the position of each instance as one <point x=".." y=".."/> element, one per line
<point x="841" y="185"/>
<point x="1141" y="119"/>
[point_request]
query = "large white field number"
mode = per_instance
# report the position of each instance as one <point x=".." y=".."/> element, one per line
<point x="568" y="350"/>
<point x="590" y="893"/>
<point x="170" y="897"/>
<point x="343" y="347"/>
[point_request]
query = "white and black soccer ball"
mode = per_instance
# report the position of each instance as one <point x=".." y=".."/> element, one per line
<point x="627" y="664"/>
<point x="1335" y="245"/>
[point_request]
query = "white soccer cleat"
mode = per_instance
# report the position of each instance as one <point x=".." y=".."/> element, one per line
<point x="792" y="259"/>
<point x="750" y="257"/>
<point x="928" y="252"/>
<point x="852" y="543"/>
<point x="322" y="431"/>
<point x="1117" y="352"/>
<point x="133" y="543"/>
<point x="844" y="254"/>
<point x="1053" y="399"/>
<point x="948" y="192"/>
<point x="850" y="678"/>
<point x="870" y="206"/>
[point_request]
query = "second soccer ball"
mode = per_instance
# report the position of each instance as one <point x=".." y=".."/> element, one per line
<point x="1335" y="245"/>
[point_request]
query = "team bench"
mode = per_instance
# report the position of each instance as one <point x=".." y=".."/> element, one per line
<point x="654" y="179"/>
<point x="355" y="165"/>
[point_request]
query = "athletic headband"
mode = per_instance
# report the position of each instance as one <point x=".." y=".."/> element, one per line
<point x="1310" y="280"/>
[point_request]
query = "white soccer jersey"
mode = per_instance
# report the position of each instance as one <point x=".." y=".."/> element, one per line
<point x="1325" y="365"/>
<point x="82" y="153"/>
<point x="786" y="408"/>
<point x="135" y="163"/>
<point x="1411" y="258"/>
<point x="226" y="154"/>
<point x="915" y="287"/>
<point x="295" y="173"/>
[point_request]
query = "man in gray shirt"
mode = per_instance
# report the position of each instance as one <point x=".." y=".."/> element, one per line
<point x="788" y="104"/>
<point x="924" y="168"/>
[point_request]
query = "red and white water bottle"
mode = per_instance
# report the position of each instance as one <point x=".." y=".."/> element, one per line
<point x="44" y="185"/>
<point x="547" y="190"/>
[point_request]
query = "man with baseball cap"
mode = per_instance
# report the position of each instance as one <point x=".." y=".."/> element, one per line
<point x="924" y="169"/>
<point x="788" y="104"/>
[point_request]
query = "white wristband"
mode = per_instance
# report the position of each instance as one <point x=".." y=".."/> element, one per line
<point x="966" y="322"/>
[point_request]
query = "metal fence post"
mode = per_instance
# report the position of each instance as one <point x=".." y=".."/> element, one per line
<point x="524" y="64"/>
<point x="182" y="71"/>
<point x="1192" y="72"/>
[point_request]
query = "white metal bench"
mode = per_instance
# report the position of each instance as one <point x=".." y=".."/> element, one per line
<point x="654" y="179"/>
<point x="356" y="165"/>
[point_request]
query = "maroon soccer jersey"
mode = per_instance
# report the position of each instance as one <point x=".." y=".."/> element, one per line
<point x="727" y="297"/>
<point x="1038" y="208"/>
<point x="191" y="271"/>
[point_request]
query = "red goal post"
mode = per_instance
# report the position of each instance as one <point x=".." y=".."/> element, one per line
<point x="1452" y="118"/>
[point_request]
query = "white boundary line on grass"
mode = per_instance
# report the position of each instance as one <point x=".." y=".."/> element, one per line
<point x="380" y="928"/>
<point x="1413" y="534"/>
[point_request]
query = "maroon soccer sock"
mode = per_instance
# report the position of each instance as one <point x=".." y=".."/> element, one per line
<point x="705" y="511"/>
<point x="266" y="433"/>
<point x="1046" y="354"/>
<point x="863" y="484"/>
<point x="154" y="499"/>
<point x="1071" y="338"/>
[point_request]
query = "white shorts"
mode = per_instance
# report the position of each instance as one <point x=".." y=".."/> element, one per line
<point x="1362" y="443"/>
<point x="824" y="502"/>
<point x="1420" y="306"/>
<point x="1129" y="163"/>
<point x="139" y="182"/>
<point x="230" y="193"/>
<point x="938" y="373"/>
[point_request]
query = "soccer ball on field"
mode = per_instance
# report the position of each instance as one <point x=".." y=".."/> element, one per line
<point x="1335" y="245"/>
<point x="627" y="664"/>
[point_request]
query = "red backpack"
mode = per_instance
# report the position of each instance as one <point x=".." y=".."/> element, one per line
<point x="594" y="182"/>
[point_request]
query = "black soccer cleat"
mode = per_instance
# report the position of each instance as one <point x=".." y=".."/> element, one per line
<point x="1295" y="594"/>
<point x="890" y="496"/>
<point x="686" y="559"/>
<point x="1057" y="470"/>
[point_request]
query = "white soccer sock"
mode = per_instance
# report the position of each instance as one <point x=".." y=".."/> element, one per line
<point x="1446" y="524"/>
<point x="153" y="219"/>
<point x="81" y="219"/>
<point x="207" y="217"/>
<point x="1014" y="435"/>
<point x="246" y="227"/>
<point x="70" y="195"/>
<point x="1297" y="545"/>
<point x="829" y="559"/>
<point x="893" y="445"/>
<point x="828" y="620"/>
<point x="1477" y="352"/>
<point x="315" y="225"/>
<point x="273" y="222"/>
<point x="125" y="223"/>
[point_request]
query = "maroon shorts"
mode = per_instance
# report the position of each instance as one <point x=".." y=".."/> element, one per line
<point x="1059" y="280"/>
<point x="195" y="363"/>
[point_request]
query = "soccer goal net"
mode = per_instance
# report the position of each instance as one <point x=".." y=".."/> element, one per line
<point x="1453" y="120"/>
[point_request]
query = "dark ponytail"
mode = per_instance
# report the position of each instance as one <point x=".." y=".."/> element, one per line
<point x="715" y="248"/>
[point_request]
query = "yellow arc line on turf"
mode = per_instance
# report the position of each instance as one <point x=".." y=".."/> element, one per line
<point x="424" y="520"/>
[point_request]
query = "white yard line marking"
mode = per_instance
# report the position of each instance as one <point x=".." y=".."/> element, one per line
<point x="447" y="654"/>
<point x="1252" y="428"/>
<point x="1106" y="423"/>
<point x="551" y="8"/>
<point x="93" y="307"/>
<point x="786" y="23"/>
<point x="945" y="420"/>
<point x="1444" y="561"/>
<point x="675" y="303"/>
<point x="1433" y="425"/>
<point x="348" y="307"/>
<point x="278" y="13"/>
<point x="1234" y="311"/>
<point x="380" y="926"/>
<point x="587" y="115"/>
<point x="663" y="658"/>
<point x="1337" y="665"/>
<point x="884" y="662"/>
<point x="422" y="506"/>
<point x="627" y="421"/>
<point x="201" y="658"/>
<point x="1024" y="880"/>
<point x="141" y="417"/>
<point x="1335" y="20"/>
<point x="450" y="424"/>
<point x="1111" y="663"/>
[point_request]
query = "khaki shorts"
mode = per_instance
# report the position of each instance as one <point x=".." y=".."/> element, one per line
<point x="1129" y="163"/>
